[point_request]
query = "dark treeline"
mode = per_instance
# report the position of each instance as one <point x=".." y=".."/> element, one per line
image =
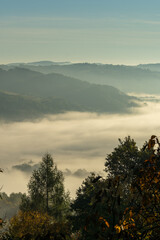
<point x="9" y="204"/>
<point x="123" y="205"/>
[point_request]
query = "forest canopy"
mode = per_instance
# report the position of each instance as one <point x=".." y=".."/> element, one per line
<point x="123" y="205"/>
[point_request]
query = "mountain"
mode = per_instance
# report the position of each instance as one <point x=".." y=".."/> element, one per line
<point x="154" y="67"/>
<point x="47" y="63"/>
<point x="14" y="107"/>
<point x="125" y="78"/>
<point x="36" y="93"/>
<point x="39" y="63"/>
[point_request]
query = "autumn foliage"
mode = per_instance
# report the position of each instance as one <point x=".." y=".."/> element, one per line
<point x="35" y="225"/>
<point x="123" y="205"/>
<point x="141" y="220"/>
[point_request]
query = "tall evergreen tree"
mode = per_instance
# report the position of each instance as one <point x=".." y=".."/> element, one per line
<point x="46" y="190"/>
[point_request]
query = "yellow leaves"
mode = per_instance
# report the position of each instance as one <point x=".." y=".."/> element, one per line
<point x="125" y="225"/>
<point x="33" y="223"/>
<point x="118" y="229"/>
<point x="128" y="224"/>
<point x="37" y="225"/>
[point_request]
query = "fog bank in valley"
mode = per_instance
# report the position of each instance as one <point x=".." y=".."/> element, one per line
<point x="77" y="141"/>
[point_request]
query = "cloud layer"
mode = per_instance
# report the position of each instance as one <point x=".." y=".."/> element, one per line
<point x="78" y="142"/>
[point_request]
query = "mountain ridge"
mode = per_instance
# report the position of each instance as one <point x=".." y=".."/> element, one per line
<point x="126" y="78"/>
<point x="77" y="95"/>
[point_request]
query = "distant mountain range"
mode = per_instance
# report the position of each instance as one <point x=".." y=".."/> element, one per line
<point x="138" y="79"/>
<point x="28" y="94"/>
<point x="40" y="63"/>
<point x="154" y="67"/>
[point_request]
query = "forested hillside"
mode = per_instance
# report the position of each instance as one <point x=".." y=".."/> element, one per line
<point x="139" y="79"/>
<point x="28" y="94"/>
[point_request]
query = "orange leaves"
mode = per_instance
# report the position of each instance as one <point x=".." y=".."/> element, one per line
<point x="125" y="225"/>
<point x="1" y="223"/>
<point x="144" y="211"/>
<point x="156" y="180"/>
<point x="152" y="141"/>
<point x="107" y="224"/>
<point x="130" y="213"/>
<point x="104" y="220"/>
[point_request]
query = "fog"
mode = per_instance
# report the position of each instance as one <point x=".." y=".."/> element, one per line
<point x="77" y="141"/>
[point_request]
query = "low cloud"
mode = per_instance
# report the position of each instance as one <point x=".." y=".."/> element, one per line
<point x="78" y="142"/>
<point x="29" y="167"/>
<point x="26" y="167"/>
<point x="79" y="173"/>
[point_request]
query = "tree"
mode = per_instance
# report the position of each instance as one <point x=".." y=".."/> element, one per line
<point x="35" y="225"/>
<point x="98" y="207"/>
<point x="9" y="204"/>
<point x="46" y="190"/>
<point x="126" y="159"/>
<point x="141" y="219"/>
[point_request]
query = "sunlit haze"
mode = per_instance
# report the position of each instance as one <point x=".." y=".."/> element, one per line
<point x="111" y="32"/>
<point x="75" y="140"/>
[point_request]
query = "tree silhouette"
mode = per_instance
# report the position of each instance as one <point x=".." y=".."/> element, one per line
<point x="46" y="190"/>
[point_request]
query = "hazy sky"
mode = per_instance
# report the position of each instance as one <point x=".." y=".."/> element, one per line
<point x="117" y="31"/>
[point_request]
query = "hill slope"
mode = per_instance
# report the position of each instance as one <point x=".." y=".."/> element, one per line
<point x="16" y="107"/>
<point x="54" y="93"/>
<point x="125" y="78"/>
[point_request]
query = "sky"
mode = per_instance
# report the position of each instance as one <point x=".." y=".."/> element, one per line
<point x="116" y="32"/>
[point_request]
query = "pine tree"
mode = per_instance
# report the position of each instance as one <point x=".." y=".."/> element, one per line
<point x="46" y="190"/>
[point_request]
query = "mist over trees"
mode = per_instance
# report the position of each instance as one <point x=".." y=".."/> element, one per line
<point x="44" y="211"/>
<point x="123" y="205"/>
